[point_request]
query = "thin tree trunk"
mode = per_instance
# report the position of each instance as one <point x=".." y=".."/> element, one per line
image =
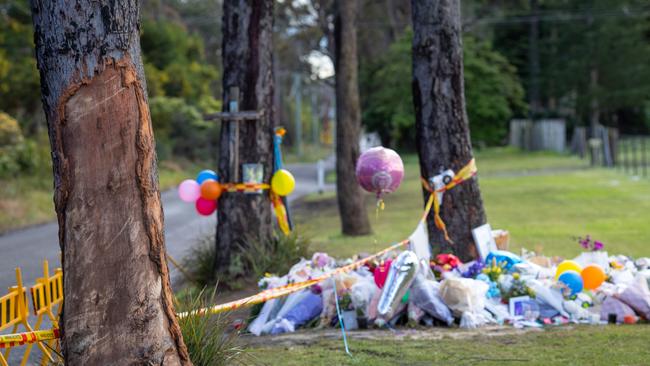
<point x="248" y="64"/>
<point x="354" y="218"/>
<point x="442" y="131"/>
<point x="118" y="306"/>
<point x="533" y="60"/>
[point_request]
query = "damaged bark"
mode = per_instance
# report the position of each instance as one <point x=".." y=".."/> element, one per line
<point x="442" y="128"/>
<point x="118" y="302"/>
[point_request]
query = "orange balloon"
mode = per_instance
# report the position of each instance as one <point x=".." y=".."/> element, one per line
<point x="210" y="189"/>
<point x="592" y="277"/>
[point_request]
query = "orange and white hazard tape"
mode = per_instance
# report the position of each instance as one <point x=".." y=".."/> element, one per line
<point x="288" y="289"/>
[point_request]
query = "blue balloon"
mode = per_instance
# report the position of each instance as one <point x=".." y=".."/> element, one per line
<point x="572" y="280"/>
<point x="205" y="175"/>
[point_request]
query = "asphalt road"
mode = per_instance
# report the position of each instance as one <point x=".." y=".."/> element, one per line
<point x="27" y="248"/>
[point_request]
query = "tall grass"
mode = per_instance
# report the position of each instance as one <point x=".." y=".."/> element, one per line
<point x="209" y="337"/>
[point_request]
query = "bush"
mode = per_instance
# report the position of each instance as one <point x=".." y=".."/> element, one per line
<point x="493" y="93"/>
<point x="276" y="256"/>
<point x="181" y="131"/>
<point x="19" y="155"/>
<point x="207" y="337"/>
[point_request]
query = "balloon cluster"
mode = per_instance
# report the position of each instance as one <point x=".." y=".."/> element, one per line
<point x="575" y="278"/>
<point x="204" y="191"/>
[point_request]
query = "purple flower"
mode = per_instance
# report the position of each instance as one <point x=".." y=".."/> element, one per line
<point x="598" y="245"/>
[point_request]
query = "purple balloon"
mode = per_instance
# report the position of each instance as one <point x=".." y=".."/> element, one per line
<point x="189" y="190"/>
<point x="380" y="170"/>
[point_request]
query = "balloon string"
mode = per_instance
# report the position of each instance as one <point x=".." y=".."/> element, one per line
<point x="338" y="313"/>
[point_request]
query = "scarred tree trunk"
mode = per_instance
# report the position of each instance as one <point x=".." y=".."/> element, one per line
<point x="248" y="65"/>
<point x="118" y="306"/>
<point x="442" y="130"/>
<point x="354" y="218"/>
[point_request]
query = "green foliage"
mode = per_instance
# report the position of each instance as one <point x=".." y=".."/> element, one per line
<point x="208" y="338"/>
<point x="180" y="129"/>
<point x="605" y="38"/>
<point x="19" y="80"/>
<point x="278" y="255"/>
<point x="175" y="62"/>
<point x="492" y="90"/>
<point x="19" y="155"/>
<point x="257" y="259"/>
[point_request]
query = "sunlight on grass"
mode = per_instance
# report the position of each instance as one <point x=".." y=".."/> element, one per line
<point x="543" y="199"/>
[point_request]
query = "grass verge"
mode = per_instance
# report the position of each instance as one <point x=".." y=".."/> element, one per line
<point x="582" y="345"/>
<point x="545" y="200"/>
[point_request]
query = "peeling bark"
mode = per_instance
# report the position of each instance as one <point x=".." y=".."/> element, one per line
<point x="248" y="64"/>
<point x="118" y="303"/>
<point x="352" y="209"/>
<point x="442" y="128"/>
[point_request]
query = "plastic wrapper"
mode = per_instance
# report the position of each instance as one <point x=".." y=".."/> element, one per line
<point x="309" y="307"/>
<point x="502" y="256"/>
<point x="257" y="325"/>
<point x="415" y="313"/>
<point x="616" y="308"/>
<point x="329" y="307"/>
<point x="362" y="293"/>
<point x="425" y="294"/>
<point x="290" y="302"/>
<point x="598" y="257"/>
<point x="637" y="296"/>
<point x="530" y="269"/>
<point x="463" y="295"/>
<point x="548" y="295"/>
<point x="471" y="320"/>
<point x="623" y="277"/>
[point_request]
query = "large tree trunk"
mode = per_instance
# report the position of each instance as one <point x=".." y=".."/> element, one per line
<point x="354" y="218"/>
<point x="118" y="306"/>
<point x="248" y="64"/>
<point x="442" y="130"/>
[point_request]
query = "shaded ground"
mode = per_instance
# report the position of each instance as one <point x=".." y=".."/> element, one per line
<point x="567" y="345"/>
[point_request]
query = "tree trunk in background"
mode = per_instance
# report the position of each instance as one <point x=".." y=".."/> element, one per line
<point x="442" y="131"/>
<point x="247" y="64"/>
<point x="354" y="218"/>
<point x="118" y="306"/>
<point x="534" y="101"/>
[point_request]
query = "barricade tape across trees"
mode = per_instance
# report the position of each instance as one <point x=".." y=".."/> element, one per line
<point x="466" y="173"/>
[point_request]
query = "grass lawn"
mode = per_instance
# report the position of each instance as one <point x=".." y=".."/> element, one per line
<point x="545" y="200"/>
<point x="582" y="345"/>
<point x="28" y="200"/>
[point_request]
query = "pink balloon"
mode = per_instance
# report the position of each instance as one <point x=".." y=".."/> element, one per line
<point x="189" y="190"/>
<point x="380" y="170"/>
<point x="205" y="207"/>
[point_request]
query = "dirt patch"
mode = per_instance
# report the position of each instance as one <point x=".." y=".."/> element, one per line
<point x="310" y="336"/>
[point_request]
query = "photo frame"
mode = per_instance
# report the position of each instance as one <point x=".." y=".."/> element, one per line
<point x="253" y="173"/>
<point x="518" y="306"/>
<point x="484" y="240"/>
